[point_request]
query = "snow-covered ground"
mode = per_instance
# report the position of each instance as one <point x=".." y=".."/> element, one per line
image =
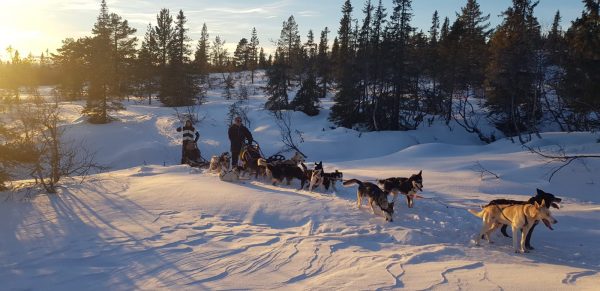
<point x="149" y="223"/>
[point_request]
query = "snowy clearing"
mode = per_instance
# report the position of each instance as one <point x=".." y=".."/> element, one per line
<point x="152" y="224"/>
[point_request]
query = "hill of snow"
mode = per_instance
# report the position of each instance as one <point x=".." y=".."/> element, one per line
<point x="150" y="223"/>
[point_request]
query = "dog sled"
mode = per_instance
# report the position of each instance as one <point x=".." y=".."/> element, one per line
<point x="193" y="157"/>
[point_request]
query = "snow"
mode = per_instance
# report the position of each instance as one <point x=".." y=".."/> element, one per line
<point x="149" y="223"/>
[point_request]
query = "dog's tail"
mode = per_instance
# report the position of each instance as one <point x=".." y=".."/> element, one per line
<point x="352" y="182"/>
<point x="474" y="212"/>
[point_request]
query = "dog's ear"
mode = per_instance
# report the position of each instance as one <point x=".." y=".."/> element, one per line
<point x="540" y="192"/>
<point x="543" y="203"/>
<point x="420" y="172"/>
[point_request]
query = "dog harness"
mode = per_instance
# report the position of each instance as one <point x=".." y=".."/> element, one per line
<point x="502" y="212"/>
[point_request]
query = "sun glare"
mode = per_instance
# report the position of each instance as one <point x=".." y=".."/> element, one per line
<point x="24" y="27"/>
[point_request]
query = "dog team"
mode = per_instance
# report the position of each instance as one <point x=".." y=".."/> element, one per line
<point x="521" y="216"/>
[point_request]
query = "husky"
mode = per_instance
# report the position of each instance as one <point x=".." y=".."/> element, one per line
<point x="330" y="179"/>
<point x="219" y="163"/>
<point x="316" y="176"/>
<point x="375" y="196"/>
<point x="519" y="216"/>
<point x="262" y="167"/>
<point x="232" y="175"/>
<point x="549" y="201"/>
<point x="407" y="186"/>
<point x="214" y="164"/>
<point x="286" y="172"/>
<point x="308" y="173"/>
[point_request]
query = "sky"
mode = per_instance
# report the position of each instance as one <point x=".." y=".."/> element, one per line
<point x="32" y="26"/>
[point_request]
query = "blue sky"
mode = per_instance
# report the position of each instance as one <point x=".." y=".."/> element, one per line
<point x="34" y="25"/>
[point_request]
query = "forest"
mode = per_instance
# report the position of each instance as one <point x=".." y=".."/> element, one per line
<point x="384" y="74"/>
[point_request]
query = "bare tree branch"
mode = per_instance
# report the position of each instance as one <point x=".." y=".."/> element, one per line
<point x="560" y="157"/>
<point x="483" y="171"/>
<point x="290" y="138"/>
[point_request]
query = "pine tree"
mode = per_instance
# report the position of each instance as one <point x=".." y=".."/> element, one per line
<point x="307" y="97"/>
<point x="179" y="87"/>
<point x="147" y="64"/>
<point x="555" y="42"/>
<point x="253" y="52"/>
<point x="101" y="99"/>
<point x="72" y="63"/>
<point x="398" y="48"/>
<point x="309" y="54"/>
<point x="219" y="55"/>
<point x="512" y="73"/>
<point x="124" y="51"/>
<point x="364" y="57"/>
<point x="290" y="49"/>
<point x="345" y="111"/>
<point x="323" y="62"/>
<point x="581" y="83"/>
<point x="378" y="65"/>
<point x="164" y="35"/>
<point x="241" y="55"/>
<point x="277" y="86"/>
<point x="164" y="41"/>
<point x="201" y="56"/>
<point x="473" y="42"/>
<point x="262" y="59"/>
<point x="433" y="65"/>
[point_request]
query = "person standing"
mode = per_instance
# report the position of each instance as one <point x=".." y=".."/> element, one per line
<point x="190" y="137"/>
<point x="238" y="133"/>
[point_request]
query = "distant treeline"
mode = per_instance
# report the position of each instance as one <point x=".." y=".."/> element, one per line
<point x="384" y="73"/>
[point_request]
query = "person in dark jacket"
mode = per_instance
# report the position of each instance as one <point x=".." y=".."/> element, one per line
<point x="238" y="133"/>
<point x="190" y="135"/>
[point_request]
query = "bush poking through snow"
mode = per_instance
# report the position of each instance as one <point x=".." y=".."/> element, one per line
<point x="46" y="156"/>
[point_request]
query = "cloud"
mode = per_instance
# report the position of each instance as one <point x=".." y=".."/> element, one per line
<point x="309" y="13"/>
<point x="77" y="5"/>
<point x="236" y="11"/>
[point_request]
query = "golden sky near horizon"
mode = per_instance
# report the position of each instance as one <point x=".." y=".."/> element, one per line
<point x="20" y="24"/>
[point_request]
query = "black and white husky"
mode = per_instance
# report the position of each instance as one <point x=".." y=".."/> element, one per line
<point x="407" y="186"/>
<point x="318" y="177"/>
<point x="315" y="176"/>
<point x="375" y="196"/>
